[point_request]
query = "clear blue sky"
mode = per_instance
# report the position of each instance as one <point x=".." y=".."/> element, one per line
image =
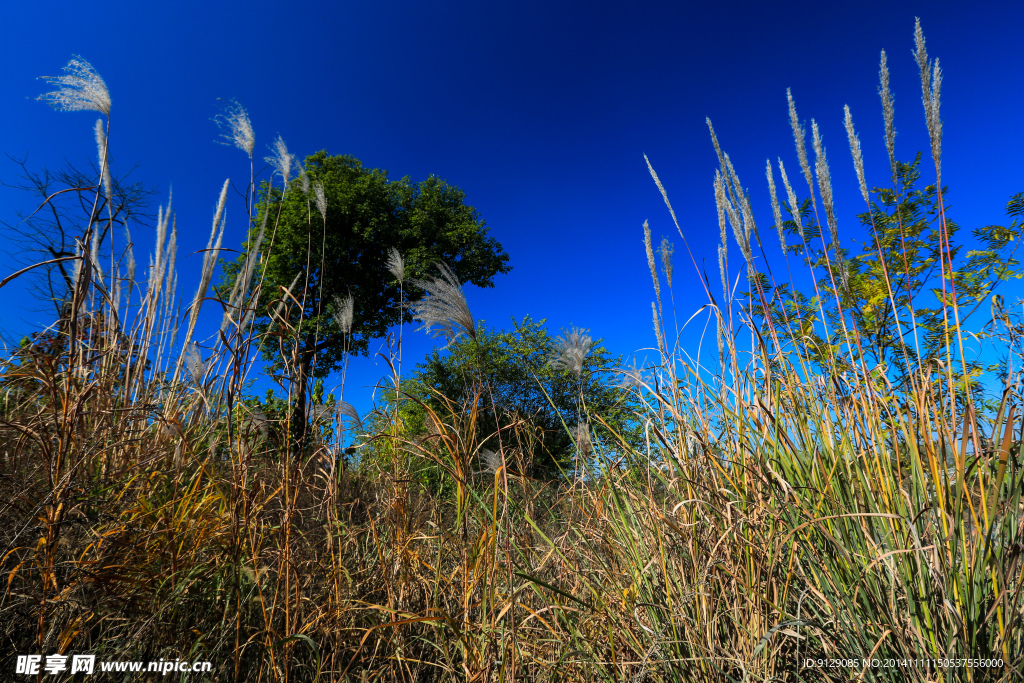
<point x="539" y="111"/>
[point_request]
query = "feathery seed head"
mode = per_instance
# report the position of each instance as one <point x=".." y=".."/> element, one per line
<point x="887" y="111"/>
<point x="722" y="271"/>
<point x="799" y="134"/>
<point x="131" y="255"/>
<point x="931" y="84"/>
<point x="631" y="378"/>
<point x="82" y="89"/>
<point x="740" y="224"/>
<point x="101" y="145"/>
<point x="396" y="264"/>
<point x="824" y="179"/>
<point x="492" y="462"/>
<point x="194" y="363"/>
<point x="858" y="159"/>
<point x="320" y="199"/>
<point x="343" y="316"/>
<point x="825" y="187"/>
<point x="661" y="189"/>
<point x="666" y="250"/>
<point x="657" y="328"/>
<point x="444" y="306"/>
<point x="720" y="206"/>
<point x="347" y="410"/>
<point x="571" y="348"/>
<point x="581" y="435"/>
<point x="650" y="260"/>
<point x="234" y="121"/>
<point x="282" y="160"/>
<point x="791" y="197"/>
<point x="776" y="213"/>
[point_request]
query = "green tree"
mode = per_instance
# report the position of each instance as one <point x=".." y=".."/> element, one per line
<point x="518" y="376"/>
<point x="328" y="238"/>
<point x="894" y="294"/>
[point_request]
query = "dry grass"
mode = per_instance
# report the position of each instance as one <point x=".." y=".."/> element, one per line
<point x="774" y="516"/>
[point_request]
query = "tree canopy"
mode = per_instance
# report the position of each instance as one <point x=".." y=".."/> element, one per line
<point x="523" y="378"/>
<point x="327" y="237"/>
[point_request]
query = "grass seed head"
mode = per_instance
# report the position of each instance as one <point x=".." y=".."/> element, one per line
<point x="236" y="127"/>
<point x="443" y="310"/>
<point x="82" y="89"/>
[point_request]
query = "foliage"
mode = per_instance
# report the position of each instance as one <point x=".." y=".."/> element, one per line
<point x="896" y="302"/>
<point x="346" y="254"/>
<point x="513" y="377"/>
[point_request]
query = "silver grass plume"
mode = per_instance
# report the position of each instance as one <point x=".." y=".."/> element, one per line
<point x="776" y="212"/>
<point x="343" y="315"/>
<point x="631" y="378"/>
<point x="723" y="268"/>
<point x="723" y="235"/>
<point x="736" y="207"/>
<point x="171" y="254"/>
<point x="396" y="264"/>
<point x="825" y="187"/>
<point x="282" y="160"/>
<point x="720" y="334"/>
<point x="303" y="178"/>
<point x="799" y="135"/>
<point x="101" y="144"/>
<point x="887" y="112"/>
<point x="931" y="84"/>
<point x="650" y="261"/>
<point x="657" y="328"/>
<point x="665" y="251"/>
<point x="664" y="195"/>
<point x="130" y="255"/>
<point x="723" y="246"/>
<point x="82" y="89"/>
<point x="158" y="262"/>
<point x="194" y="363"/>
<point x="858" y="158"/>
<point x="234" y="121"/>
<point x="347" y="410"/>
<point x="209" y="263"/>
<point x="320" y="199"/>
<point x="824" y="181"/>
<point x="581" y="435"/>
<point x="492" y="462"/>
<point x="728" y="172"/>
<point x="571" y="349"/>
<point x="444" y="306"/>
<point x="738" y="223"/>
<point x="791" y="197"/>
<point x="94" y="255"/>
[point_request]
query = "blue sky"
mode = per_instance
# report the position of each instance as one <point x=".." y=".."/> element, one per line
<point x="540" y="111"/>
